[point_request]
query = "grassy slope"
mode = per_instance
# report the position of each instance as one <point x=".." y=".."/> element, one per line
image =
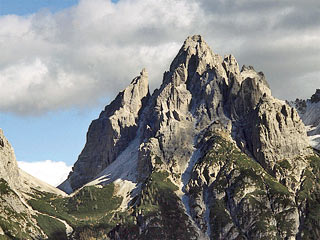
<point x="89" y="210"/>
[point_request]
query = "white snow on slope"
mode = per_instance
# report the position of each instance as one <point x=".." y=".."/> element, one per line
<point x="315" y="141"/>
<point x="122" y="172"/>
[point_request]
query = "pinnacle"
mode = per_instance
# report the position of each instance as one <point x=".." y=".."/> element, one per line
<point x="196" y="49"/>
<point x="194" y="41"/>
<point x="195" y="38"/>
<point x="144" y="72"/>
<point x="143" y="77"/>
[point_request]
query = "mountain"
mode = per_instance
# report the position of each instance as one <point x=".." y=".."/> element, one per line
<point x="309" y="111"/>
<point x="211" y="154"/>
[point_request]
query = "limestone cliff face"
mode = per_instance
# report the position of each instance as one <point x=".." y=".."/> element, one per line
<point x="275" y="132"/>
<point x="231" y="158"/>
<point x="111" y="133"/>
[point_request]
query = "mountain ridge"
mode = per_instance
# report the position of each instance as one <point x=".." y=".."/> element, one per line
<point x="211" y="154"/>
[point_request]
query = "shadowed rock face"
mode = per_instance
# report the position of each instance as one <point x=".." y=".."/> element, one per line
<point x="309" y="111"/>
<point x="315" y="98"/>
<point x="237" y="154"/>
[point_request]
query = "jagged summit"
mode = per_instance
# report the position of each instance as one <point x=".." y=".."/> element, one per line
<point x="200" y="88"/>
<point x="315" y="98"/>
<point x="193" y="49"/>
<point x="211" y="154"/>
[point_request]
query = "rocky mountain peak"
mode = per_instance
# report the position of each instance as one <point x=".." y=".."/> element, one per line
<point x="131" y="97"/>
<point x="195" y="55"/>
<point x="315" y="98"/>
<point x="111" y="133"/>
<point x="235" y="155"/>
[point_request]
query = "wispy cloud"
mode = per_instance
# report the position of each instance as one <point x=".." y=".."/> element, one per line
<point x="48" y="171"/>
<point x="92" y="50"/>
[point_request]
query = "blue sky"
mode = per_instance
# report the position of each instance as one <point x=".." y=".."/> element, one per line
<point x="57" y="136"/>
<point x="24" y="7"/>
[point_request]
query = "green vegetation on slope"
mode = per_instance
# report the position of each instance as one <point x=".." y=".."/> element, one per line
<point x="90" y="210"/>
<point x="157" y="213"/>
<point x="242" y="192"/>
<point x="15" y="225"/>
<point x="309" y="200"/>
<point x="4" y="187"/>
<point x="53" y="228"/>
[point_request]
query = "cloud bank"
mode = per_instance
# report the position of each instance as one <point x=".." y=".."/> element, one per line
<point x="48" y="171"/>
<point x="77" y="56"/>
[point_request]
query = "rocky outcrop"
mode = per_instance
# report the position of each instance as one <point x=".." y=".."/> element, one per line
<point x="253" y="88"/>
<point x="274" y="132"/>
<point x="234" y="197"/>
<point x="17" y="179"/>
<point x="17" y="220"/>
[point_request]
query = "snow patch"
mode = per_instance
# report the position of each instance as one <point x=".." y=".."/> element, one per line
<point x="315" y="141"/>
<point x="122" y="172"/>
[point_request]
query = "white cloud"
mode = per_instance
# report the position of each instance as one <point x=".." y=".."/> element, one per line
<point x="93" y="50"/>
<point x="48" y="171"/>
